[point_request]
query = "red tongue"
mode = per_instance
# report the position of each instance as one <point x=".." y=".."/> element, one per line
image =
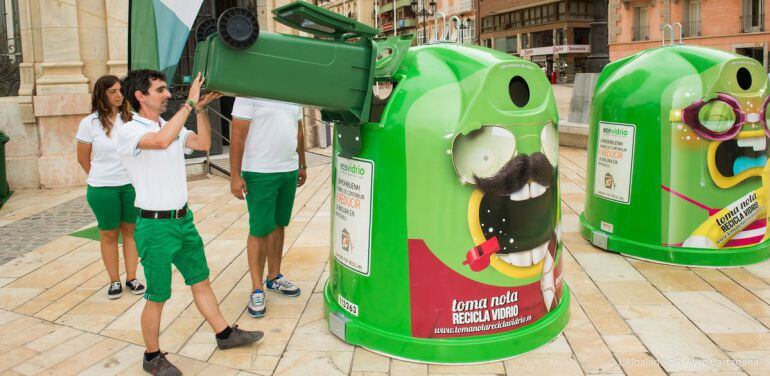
<point x="478" y="257"/>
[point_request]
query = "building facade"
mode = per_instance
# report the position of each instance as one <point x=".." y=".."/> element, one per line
<point x="456" y="20"/>
<point x="395" y="17"/>
<point x="737" y="26"/>
<point x="51" y="53"/>
<point x="553" y="34"/>
<point x="359" y="10"/>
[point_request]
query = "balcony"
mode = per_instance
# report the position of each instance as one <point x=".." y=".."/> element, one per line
<point x="641" y="33"/>
<point x="752" y="23"/>
<point x="388" y="7"/>
<point x="691" y="29"/>
<point x="406" y="23"/>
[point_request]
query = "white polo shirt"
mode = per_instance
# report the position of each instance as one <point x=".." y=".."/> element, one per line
<point x="271" y="145"/>
<point x="159" y="176"/>
<point x="106" y="167"/>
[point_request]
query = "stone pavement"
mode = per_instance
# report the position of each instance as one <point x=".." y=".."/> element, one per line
<point x="628" y="316"/>
<point x="563" y="96"/>
<point x="22" y="236"/>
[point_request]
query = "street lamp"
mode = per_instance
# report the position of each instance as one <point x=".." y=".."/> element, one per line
<point x="422" y="11"/>
<point x="463" y="25"/>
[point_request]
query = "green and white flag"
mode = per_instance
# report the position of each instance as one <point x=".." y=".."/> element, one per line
<point x="158" y="32"/>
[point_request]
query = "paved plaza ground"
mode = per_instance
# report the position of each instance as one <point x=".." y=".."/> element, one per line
<point x="627" y="316"/>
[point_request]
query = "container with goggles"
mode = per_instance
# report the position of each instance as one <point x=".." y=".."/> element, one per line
<point x="677" y="149"/>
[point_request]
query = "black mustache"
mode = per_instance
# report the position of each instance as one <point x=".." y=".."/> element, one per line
<point x="517" y="173"/>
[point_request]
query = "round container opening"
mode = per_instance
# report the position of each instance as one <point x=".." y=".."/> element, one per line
<point x="744" y="78"/>
<point x="519" y="91"/>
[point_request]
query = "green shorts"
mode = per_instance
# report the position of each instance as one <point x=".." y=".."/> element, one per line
<point x="112" y="205"/>
<point x="162" y="242"/>
<point x="270" y="198"/>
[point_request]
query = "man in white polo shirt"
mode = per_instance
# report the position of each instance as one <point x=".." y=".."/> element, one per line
<point x="152" y="151"/>
<point x="267" y="163"/>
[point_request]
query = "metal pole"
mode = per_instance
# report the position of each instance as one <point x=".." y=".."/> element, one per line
<point x="395" y="19"/>
<point x="423" y="12"/>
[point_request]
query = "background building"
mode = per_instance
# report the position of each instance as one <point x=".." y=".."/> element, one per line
<point x="360" y="10"/>
<point x="464" y="10"/>
<point x="51" y="53"/>
<point x="554" y="34"/>
<point x="732" y="25"/>
<point x="395" y="16"/>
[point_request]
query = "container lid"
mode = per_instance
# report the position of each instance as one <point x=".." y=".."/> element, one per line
<point x="3" y="137"/>
<point x="318" y="21"/>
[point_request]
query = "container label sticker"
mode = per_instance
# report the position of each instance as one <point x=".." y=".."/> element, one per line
<point x="462" y="307"/>
<point x="347" y="305"/>
<point x="614" y="161"/>
<point x="353" y="213"/>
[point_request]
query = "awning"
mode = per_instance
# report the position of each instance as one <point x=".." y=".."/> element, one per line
<point x="563" y="49"/>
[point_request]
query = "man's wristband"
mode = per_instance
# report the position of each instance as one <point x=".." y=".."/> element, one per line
<point x="303" y="167"/>
<point x="191" y="102"/>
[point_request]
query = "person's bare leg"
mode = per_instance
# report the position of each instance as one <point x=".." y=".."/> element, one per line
<point x="208" y="306"/>
<point x="256" y="253"/>
<point x="130" y="257"/>
<point x="151" y="325"/>
<point x="274" y="252"/>
<point x="108" y="242"/>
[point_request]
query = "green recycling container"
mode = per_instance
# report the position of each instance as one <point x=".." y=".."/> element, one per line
<point x="446" y="220"/>
<point x="677" y="158"/>
<point x="5" y="191"/>
<point x="294" y="64"/>
<point x="329" y="73"/>
<point x="446" y="227"/>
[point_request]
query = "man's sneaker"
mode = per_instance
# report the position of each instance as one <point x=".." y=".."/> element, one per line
<point x="282" y="285"/>
<point x="136" y="287"/>
<point x="160" y="366"/>
<point x="115" y="291"/>
<point x="239" y="337"/>
<point x="256" y="306"/>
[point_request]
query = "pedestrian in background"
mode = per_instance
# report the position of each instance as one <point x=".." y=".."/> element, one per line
<point x="267" y="160"/>
<point x="110" y="193"/>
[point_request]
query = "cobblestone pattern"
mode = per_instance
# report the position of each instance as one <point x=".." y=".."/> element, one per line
<point x="24" y="235"/>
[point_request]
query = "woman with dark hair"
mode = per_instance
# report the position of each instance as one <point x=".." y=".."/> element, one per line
<point x="110" y="193"/>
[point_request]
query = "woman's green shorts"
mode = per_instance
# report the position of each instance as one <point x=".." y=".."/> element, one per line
<point x="112" y="205"/>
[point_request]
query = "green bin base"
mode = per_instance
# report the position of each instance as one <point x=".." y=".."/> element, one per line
<point x="461" y="350"/>
<point x="4" y="199"/>
<point x="699" y="257"/>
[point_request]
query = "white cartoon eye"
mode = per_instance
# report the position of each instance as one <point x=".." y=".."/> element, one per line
<point x="549" y="141"/>
<point x="482" y="152"/>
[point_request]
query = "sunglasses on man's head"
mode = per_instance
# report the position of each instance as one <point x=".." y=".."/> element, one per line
<point x="721" y="118"/>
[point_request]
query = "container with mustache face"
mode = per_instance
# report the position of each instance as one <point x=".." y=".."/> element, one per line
<point x="482" y="199"/>
<point x="445" y="211"/>
<point x="689" y="125"/>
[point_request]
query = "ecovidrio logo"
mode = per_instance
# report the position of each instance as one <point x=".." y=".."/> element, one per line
<point x="616" y="131"/>
<point x="352" y="168"/>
